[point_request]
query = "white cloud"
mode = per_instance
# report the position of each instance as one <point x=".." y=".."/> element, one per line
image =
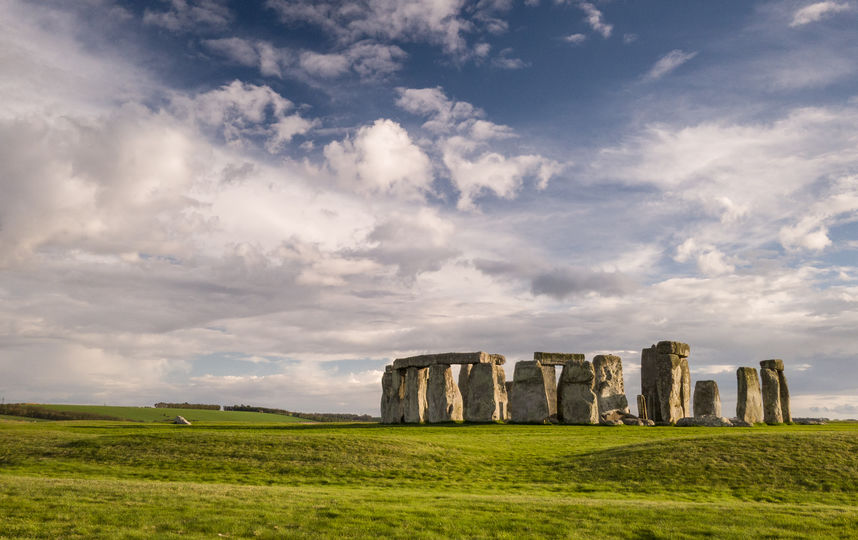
<point x="668" y="63"/>
<point x="243" y="110"/>
<point x="190" y="15"/>
<point x="504" y="61"/>
<point x="817" y="11"/>
<point x="381" y="158"/>
<point x="596" y="20"/>
<point x="710" y="260"/>
<point x="575" y="39"/>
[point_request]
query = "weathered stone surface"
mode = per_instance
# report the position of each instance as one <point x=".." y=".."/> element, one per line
<point x="810" y="421"/>
<point x="649" y="379"/>
<point x="550" y="375"/>
<point x="740" y="423"/>
<point x="785" y="409"/>
<point x="749" y="401"/>
<point x="685" y="388"/>
<point x="487" y="398"/>
<point x="415" y="404"/>
<point x="426" y="360"/>
<point x="180" y="420"/>
<point x="775" y="363"/>
<point x="707" y="399"/>
<point x="556" y="358"/>
<point x="508" y="388"/>
<point x="610" y="389"/>
<point x="464" y="375"/>
<point x="707" y="420"/>
<point x="528" y="402"/>
<point x="392" y="394"/>
<point x="642" y="412"/>
<point x="772" y="413"/>
<point x="673" y="347"/>
<point x="576" y="401"/>
<point x="669" y="389"/>
<point x="442" y="395"/>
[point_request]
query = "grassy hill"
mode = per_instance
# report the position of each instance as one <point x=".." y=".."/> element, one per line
<point x="508" y="481"/>
<point x="151" y="414"/>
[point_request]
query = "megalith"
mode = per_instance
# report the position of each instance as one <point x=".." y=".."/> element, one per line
<point x="576" y="401"/>
<point x="610" y="389"/>
<point x="464" y="376"/>
<point x="487" y="399"/>
<point x="415" y="395"/>
<point x="666" y="381"/>
<point x="749" y="401"/>
<point x="642" y="410"/>
<point x="529" y="402"/>
<point x="392" y="394"/>
<point x="772" y="413"/>
<point x="442" y="395"/>
<point x="777" y="365"/>
<point x="707" y="399"/>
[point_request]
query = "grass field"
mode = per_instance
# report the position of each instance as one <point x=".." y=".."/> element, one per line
<point x="151" y="414"/>
<point x="104" y="479"/>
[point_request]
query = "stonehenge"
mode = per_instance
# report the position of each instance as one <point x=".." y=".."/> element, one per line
<point x="422" y="389"/>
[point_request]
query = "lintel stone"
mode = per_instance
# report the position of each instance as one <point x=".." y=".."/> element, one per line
<point x="556" y="358"/>
<point x="673" y="347"/>
<point x="426" y="360"/>
<point x="775" y="363"/>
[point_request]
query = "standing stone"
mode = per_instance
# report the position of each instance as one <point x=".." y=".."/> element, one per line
<point x="392" y="394"/>
<point x="529" y="402"/>
<point x="642" y="412"/>
<point x="707" y="399"/>
<point x="749" y="402"/>
<point x="487" y="398"/>
<point x="685" y="388"/>
<point x="415" y="395"/>
<point x="777" y="365"/>
<point x="610" y="389"/>
<point x="666" y="381"/>
<point x="576" y="401"/>
<point x="464" y="374"/>
<point x="550" y="376"/>
<point x="785" y="409"/>
<point x="772" y="413"/>
<point x="442" y="395"/>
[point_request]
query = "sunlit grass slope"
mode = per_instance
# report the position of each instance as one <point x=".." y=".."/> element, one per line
<point x="151" y="414"/>
<point x="102" y="479"/>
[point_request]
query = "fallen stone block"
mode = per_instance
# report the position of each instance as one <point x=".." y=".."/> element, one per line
<point x="610" y="389"/>
<point x="443" y="397"/>
<point x="707" y="420"/>
<point x="749" y="401"/>
<point x="707" y="399"/>
<point x="181" y="420"/>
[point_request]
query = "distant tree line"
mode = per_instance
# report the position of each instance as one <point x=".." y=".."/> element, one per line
<point x="316" y="417"/>
<point x="29" y="410"/>
<point x="186" y="405"/>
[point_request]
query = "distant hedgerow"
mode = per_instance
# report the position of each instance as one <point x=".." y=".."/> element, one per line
<point x="316" y="417"/>
<point x="186" y="405"/>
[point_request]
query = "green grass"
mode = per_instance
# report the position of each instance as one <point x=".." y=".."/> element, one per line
<point x="152" y="414"/>
<point x="102" y="479"/>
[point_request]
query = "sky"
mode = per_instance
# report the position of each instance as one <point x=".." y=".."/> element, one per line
<point x="267" y="202"/>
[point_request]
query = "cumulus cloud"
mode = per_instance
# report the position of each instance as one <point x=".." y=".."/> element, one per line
<point x="242" y="110"/>
<point x="380" y="158"/>
<point x="668" y="63"/>
<point x="183" y="15"/>
<point x="817" y="11"/>
<point x="575" y="39"/>
<point x="596" y="20"/>
<point x="473" y="167"/>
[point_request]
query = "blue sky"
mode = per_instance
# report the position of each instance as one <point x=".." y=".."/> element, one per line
<point x="266" y="202"/>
